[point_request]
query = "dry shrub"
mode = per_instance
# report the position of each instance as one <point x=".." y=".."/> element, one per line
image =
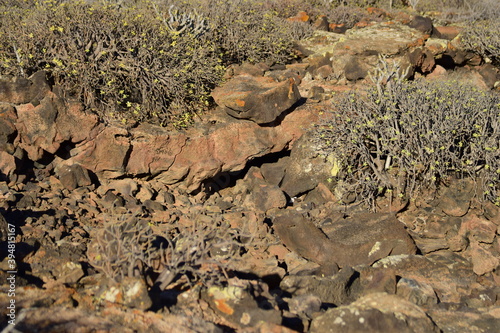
<point x="483" y="37"/>
<point x="125" y="248"/>
<point x="406" y="137"/>
<point x="252" y="31"/>
<point x="151" y="61"/>
<point x="201" y="249"/>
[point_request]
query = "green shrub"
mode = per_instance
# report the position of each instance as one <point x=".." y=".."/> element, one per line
<point x="146" y="61"/>
<point x="406" y="137"/>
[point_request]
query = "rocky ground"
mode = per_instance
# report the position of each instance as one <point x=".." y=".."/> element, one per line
<point x="232" y="224"/>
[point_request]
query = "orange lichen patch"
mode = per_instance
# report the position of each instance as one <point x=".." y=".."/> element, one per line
<point x="334" y="26"/>
<point x="376" y="11"/>
<point x="290" y="88"/>
<point x="223" y="307"/>
<point x="418" y="42"/>
<point x="362" y="24"/>
<point x="240" y="102"/>
<point x="300" y="17"/>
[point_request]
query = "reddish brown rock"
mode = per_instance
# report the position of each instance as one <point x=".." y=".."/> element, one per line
<point x="448" y="32"/>
<point x="45" y="126"/>
<point x="8" y="130"/>
<point x="18" y="90"/>
<point x="259" y="99"/>
<point x="262" y="196"/>
<point x="478" y="229"/>
<point x="449" y="274"/>
<point x="355" y="70"/>
<point x="419" y="293"/>
<point x="339" y="289"/>
<point x="7" y="165"/>
<point x="377" y="312"/>
<point x="36" y="126"/>
<point x="72" y="176"/>
<point x="321" y="23"/>
<point x="464" y="319"/>
<point x="228" y="146"/>
<point x="106" y="154"/>
<point x="154" y="150"/>
<point x="367" y="237"/>
<point x="438" y="72"/>
<point x="457" y="197"/>
<point x="422" y="59"/>
<point x="302" y="236"/>
<point x="482" y="258"/>
<point x="356" y="240"/>
<point x="237" y="305"/>
<point x="306" y="168"/>
<point x="422" y="24"/>
<point x="300" y="17"/>
<point x="490" y="75"/>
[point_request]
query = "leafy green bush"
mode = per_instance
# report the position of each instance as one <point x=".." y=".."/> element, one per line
<point x="405" y="137"/>
<point x="147" y="61"/>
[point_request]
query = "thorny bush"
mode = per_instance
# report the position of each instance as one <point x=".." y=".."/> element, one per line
<point x="409" y="136"/>
<point x="204" y="250"/>
<point x="483" y="37"/>
<point x="151" y="61"/>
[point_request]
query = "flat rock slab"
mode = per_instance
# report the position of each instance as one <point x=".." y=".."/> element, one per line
<point x="386" y="38"/>
<point x="362" y="239"/>
<point x="370" y="237"/>
<point x="378" y="312"/>
<point x="260" y="99"/>
<point x="449" y="274"/>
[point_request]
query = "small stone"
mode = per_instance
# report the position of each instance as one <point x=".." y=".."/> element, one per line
<point x="483" y="261"/>
<point x="145" y="193"/>
<point x="69" y="272"/>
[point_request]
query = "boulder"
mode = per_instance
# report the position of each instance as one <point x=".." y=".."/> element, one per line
<point x="378" y="312"/>
<point x="7" y="166"/>
<point x="259" y="99"/>
<point x="306" y="167"/>
<point x="226" y="146"/>
<point x="339" y="289"/>
<point x="351" y="241"/>
<point x="484" y="259"/>
<point x="106" y="155"/>
<point x="422" y="24"/>
<point x="302" y="236"/>
<point x="72" y="176"/>
<point x="8" y="130"/>
<point x="19" y="90"/>
<point x="43" y="128"/>
<point x="456" y="199"/>
<point x="368" y="237"/>
<point x="262" y="196"/>
<point x="465" y="319"/>
<point x="447" y="273"/>
<point x="238" y="304"/>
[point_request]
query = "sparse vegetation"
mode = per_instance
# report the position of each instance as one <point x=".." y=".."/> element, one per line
<point x="405" y="137"/>
<point x="141" y="61"/>
<point x="483" y="37"/>
<point x="203" y="250"/>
